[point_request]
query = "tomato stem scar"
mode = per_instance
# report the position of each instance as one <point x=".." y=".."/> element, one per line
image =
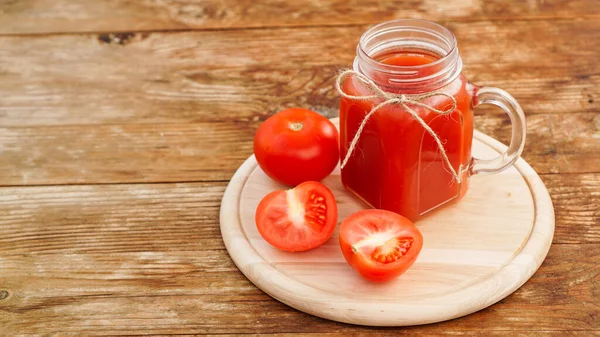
<point x="296" y="126"/>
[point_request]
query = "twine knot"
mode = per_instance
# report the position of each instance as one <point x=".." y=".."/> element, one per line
<point x="406" y="101"/>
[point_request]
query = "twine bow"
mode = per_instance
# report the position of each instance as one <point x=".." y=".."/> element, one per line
<point x="404" y="101"/>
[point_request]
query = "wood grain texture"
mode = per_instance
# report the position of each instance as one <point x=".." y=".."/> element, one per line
<point x="121" y="153"/>
<point x="106" y="102"/>
<point x="199" y="291"/>
<point x="576" y="200"/>
<point x="249" y="74"/>
<point x="208" y="151"/>
<point x="108" y="219"/>
<point x="127" y="259"/>
<point x="88" y="106"/>
<point x="162" y="217"/>
<point x="46" y="16"/>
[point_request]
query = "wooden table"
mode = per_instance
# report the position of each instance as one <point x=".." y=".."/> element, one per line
<point x="122" y="122"/>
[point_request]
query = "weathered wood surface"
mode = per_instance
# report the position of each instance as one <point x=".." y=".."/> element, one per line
<point x="207" y="151"/>
<point x="131" y="116"/>
<point x="122" y="259"/>
<point x="242" y="75"/>
<point x="177" y="292"/>
<point x="44" y="16"/>
<point x="146" y="103"/>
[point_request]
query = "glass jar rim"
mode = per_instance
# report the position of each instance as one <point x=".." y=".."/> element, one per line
<point x="396" y="24"/>
<point x="412" y="35"/>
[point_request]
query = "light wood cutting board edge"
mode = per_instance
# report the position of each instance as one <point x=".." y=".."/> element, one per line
<point x="323" y="304"/>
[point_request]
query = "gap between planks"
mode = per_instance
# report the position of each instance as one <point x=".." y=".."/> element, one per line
<point x="381" y="332"/>
<point x="125" y="183"/>
<point x="207" y="181"/>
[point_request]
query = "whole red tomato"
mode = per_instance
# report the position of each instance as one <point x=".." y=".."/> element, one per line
<point x="297" y="145"/>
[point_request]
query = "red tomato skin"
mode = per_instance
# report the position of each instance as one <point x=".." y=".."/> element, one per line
<point x="377" y="272"/>
<point x="294" y="156"/>
<point x="262" y="213"/>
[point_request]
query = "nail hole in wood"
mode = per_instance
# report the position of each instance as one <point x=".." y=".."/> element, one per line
<point x="3" y="294"/>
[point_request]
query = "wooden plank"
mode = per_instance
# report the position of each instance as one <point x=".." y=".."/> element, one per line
<point x="114" y="258"/>
<point x="407" y="332"/>
<point x="576" y="199"/>
<point x="123" y="153"/>
<point x="110" y="218"/>
<point x="166" y="217"/>
<point x="201" y="291"/>
<point x="45" y="16"/>
<point x="88" y="154"/>
<point x="247" y="75"/>
<point x="568" y="143"/>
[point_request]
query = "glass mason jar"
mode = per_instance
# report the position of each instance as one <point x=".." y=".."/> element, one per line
<point x="396" y="164"/>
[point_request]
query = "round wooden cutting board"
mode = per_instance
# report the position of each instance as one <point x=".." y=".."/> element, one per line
<point x="475" y="253"/>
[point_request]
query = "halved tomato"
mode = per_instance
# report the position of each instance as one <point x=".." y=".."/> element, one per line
<point x="380" y="245"/>
<point x="297" y="219"/>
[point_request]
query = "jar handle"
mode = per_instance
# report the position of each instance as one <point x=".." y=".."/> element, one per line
<point x="503" y="100"/>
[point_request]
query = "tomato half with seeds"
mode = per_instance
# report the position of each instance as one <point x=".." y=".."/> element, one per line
<point x="297" y="219"/>
<point x="380" y="245"/>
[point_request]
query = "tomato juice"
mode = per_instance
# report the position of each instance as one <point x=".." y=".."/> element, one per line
<point x="397" y="165"/>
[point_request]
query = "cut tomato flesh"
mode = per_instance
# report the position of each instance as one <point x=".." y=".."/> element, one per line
<point x="383" y="247"/>
<point x="297" y="219"/>
<point x="392" y="250"/>
<point x="379" y="245"/>
<point x="311" y="214"/>
<point x="315" y="214"/>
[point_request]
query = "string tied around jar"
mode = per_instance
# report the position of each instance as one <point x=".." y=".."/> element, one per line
<point x="405" y="101"/>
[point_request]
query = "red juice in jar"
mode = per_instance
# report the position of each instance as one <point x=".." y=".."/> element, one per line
<point x="397" y="164"/>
